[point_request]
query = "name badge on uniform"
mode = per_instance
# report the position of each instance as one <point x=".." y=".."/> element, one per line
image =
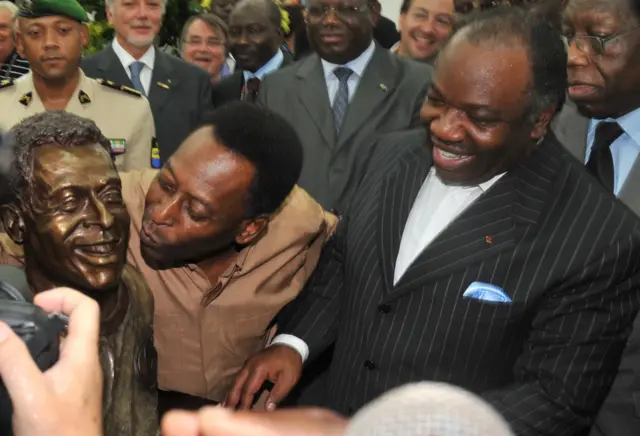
<point x="118" y="146"/>
<point x="155" y="154"/>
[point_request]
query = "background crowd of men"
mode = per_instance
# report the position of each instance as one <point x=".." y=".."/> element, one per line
<point x="329" y="208"/>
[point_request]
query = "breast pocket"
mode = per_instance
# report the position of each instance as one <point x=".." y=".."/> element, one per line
<point x="472" y="309"/>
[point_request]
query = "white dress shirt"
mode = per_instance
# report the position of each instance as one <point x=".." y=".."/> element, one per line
<point x="436" y="206"/>
<point x="148" y="59"/>
<point x="273" y="65"/>
<point x="358" y="65"/>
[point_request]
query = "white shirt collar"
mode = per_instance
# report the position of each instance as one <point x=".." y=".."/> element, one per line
<point x="148" y="59"/>
<point x="357" y="65"/>
<point x="484" y="187"/>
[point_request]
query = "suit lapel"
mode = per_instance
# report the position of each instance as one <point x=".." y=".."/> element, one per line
<point x="286" y="59"/>
<point x="491" y="224"/>
<point x="161" y="81"/>
<point x="312" y="92"/>
<point x="398" y="192"/>
<point x="629" y="193"/>
<point x="571" y="129"/>
<point x="112" y="69"/>
<point x="377" y="84"/>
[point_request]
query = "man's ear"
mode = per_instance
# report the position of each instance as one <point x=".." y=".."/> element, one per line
<point x="109" y="13"/>
<point x="541" y="125"/>
<point x="13" y="222"/>
<point x="17" y="39"/>
<point x="251" y="230"/>
<point x="84" y="35"/>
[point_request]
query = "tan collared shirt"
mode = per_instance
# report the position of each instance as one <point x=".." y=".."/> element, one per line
<point x="205" y="331"/>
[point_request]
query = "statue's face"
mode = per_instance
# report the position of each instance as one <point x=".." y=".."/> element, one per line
<point x="77" y="226"/>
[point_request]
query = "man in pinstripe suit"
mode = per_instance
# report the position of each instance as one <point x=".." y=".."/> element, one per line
<point x="490" y="260"/>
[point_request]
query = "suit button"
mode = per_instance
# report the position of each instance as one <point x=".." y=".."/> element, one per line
<point x="369" y="365"/>
<point x="384" y="308"/>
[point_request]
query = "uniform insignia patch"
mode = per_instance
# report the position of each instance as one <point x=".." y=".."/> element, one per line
<point x="112" y="85"/>
<point x="155" y="154"/>
<point x="118" y="146"/>
<point x="5" y="83"/>
<point x="83" y="97"/>
<point x="26" y="98"/>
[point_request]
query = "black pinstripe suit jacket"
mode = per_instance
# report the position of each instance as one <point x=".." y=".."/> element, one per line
<point x="564" y="250"/>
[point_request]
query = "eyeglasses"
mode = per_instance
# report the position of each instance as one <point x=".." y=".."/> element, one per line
<point x="343" y="12"/>
<point x="211" y="42"/>
<point x="598" y="45"/>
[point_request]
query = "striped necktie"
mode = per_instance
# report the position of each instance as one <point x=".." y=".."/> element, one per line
<point x="341" y="100"/>
<point x="136" y="69"/>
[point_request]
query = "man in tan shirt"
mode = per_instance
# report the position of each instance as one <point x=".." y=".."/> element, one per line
<point x="224" y="240"/>
<point x="51" y="36"/>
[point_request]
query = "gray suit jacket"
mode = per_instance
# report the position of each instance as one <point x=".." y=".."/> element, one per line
<point x="620" y="413"/>
<point x="388" y="98"/>
<point x="179" y="94"/>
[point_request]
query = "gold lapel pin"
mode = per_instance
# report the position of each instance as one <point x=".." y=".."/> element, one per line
<point x="163" y="85"/>
<point x="383" y="87"/>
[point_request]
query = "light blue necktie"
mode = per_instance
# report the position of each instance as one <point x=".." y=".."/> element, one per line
<point x="341" y="100"/>
<point x="136" y="69"/>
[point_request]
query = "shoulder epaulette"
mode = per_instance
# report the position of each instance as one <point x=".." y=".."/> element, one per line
<point x="6" y="83"/>
<point x="123" y="88"/>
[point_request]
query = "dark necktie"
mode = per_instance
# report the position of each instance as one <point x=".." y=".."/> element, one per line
<point x="251" y="89"/>
<point x="600" y="162"/>
<point x="341" y="100"/>
<point x="136" y="69"/>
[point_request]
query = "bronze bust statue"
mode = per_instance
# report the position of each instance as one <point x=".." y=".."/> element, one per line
<point x="64" y="207"/>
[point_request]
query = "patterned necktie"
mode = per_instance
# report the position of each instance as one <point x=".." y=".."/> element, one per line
<point x="251" y="89"/>
<point x="136" y="69"/>
<point x="600" y="162"/>
<point x="341" y="100"/>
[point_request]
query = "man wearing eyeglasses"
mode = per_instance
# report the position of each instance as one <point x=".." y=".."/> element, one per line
<point x="600" y="125"/>
<point x="342" y="96"/>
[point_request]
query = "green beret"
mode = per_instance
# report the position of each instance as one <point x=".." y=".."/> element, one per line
<point x="47" y="8"/>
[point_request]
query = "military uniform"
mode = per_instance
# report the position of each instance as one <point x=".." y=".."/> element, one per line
<point x="121" y="113"/>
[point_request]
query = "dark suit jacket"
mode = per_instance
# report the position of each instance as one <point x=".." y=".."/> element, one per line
<point x="230" y="88"/>
<point x="620" y="413"/>
<point x="565" y="251"/>
<point x="388" y="98"/>
<point x="386" y="33"/>
<point x="179" y="94"/>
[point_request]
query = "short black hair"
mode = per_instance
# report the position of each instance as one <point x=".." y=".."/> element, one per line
<point x="46" y="128"/>
<point x="606" y="5"/>
<point x="404" y="8"/>
<point x="273" y="10"/>
<point x="269" y="142"/>
<point x="539" y="35"/>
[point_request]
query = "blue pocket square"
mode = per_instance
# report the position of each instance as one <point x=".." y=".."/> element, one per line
<point x="486" y="292"/>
